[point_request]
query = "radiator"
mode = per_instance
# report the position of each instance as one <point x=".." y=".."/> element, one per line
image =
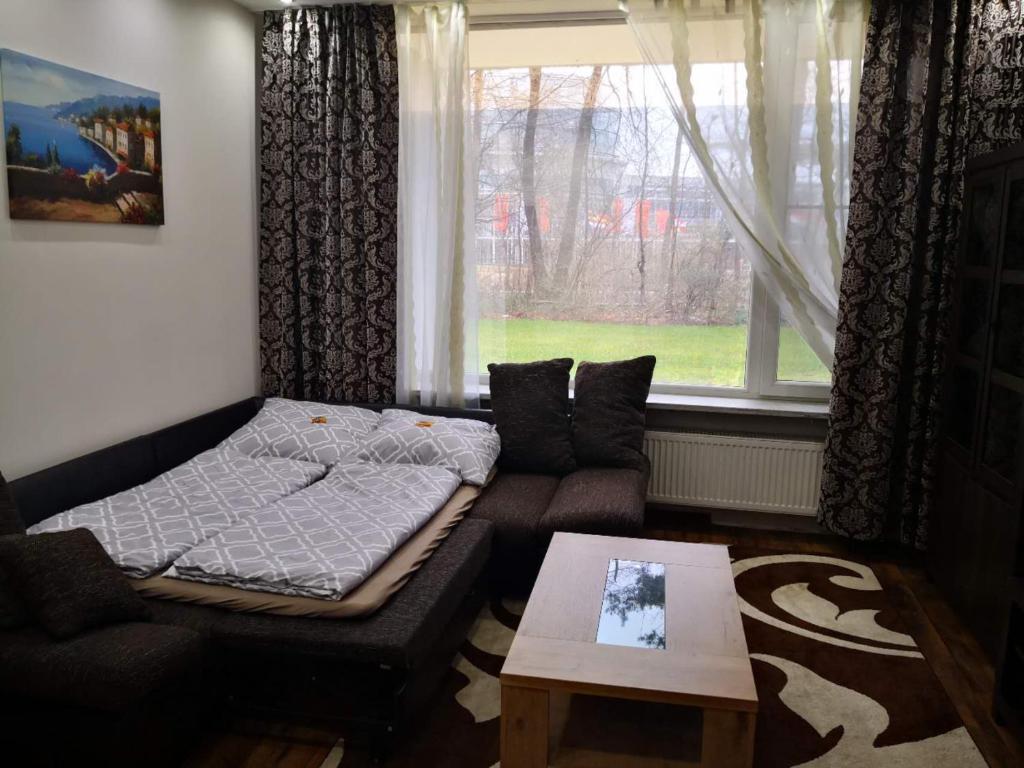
<point x="728" y="472"/>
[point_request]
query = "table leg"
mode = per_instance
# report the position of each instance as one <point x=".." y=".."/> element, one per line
<point x="524" y="727"/>
<point x="728" y="739"/>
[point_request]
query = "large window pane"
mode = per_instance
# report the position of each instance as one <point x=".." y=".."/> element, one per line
<point x="797" y="361"/>
<point x="597" y="237"/>
<point x="691" y="354"/>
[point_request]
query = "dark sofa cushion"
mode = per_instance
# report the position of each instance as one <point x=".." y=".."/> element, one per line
<point x="610" y="413"/>
<point x="12" y="611"/>
<point x="68" y="582"/>
<point x="597" y="500"/>
<point x="111" y="669"/>
<point x="531" y="410"/>
<point x="515" y="504"/>
<point x="10" y="520"/>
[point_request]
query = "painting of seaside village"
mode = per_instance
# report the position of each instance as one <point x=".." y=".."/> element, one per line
<point x="79" y="147"/>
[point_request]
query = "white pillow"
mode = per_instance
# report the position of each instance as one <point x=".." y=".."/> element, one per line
<point x="296" y="429"/>
<point x="467" y="447"/>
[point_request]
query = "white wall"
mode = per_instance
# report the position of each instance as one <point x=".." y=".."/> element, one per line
<point x="108" y="331"/>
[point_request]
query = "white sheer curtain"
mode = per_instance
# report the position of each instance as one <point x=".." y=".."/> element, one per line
<point x="437" y="362"/>
<point x="765" y="94"/>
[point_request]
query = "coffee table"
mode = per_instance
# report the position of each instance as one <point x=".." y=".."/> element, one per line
<point x="592" y="633"/>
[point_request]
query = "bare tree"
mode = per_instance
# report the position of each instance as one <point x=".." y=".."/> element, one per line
<point x="476" y="84"/>
<point x="641" y="123"/>
<point x="671" y="239"/>
<point x="537" y="265"/>
<point x="599" y="154"/>
<point x="584" y="130"/>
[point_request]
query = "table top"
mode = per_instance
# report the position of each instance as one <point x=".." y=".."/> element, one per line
<point x="692" y="653"/>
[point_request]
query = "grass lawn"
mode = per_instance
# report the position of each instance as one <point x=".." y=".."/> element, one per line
<point x="687" y="354"/>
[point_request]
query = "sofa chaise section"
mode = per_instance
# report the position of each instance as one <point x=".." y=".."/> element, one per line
<point x="527" y="509"/>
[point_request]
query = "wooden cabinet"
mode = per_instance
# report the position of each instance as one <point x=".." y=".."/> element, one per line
<point x="976" y="537"/>
<point x="1009" y="693"/>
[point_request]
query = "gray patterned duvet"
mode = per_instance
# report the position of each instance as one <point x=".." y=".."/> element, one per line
<point x="146" y="528"/>
<point x="298" y="429"/>
<point x="327" y="539"/>
<point x="465" y="446"/>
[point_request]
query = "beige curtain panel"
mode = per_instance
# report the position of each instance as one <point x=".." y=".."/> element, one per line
<point x="765" y="94"/>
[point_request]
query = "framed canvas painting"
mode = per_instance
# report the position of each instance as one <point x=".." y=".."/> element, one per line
<point x="79" y="147"/>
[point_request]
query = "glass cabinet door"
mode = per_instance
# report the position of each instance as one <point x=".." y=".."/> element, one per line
<point x="972" y="333"/>
<point x="1013" y="248"/>
<point x="962" y="389"/>
<point x="1001" y="449"/>
<point x="970" y="342"/>
<point x="985" y="206"/>
<point x="1008" y="352"/>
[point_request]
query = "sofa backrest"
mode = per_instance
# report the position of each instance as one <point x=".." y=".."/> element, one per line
<point x="177" y="444"/>
<point x="122" y="466"/>
<point x="133" y="462"/>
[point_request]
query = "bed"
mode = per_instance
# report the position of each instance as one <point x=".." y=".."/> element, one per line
<point x="300" y="507"/>
<point x="368" y="673"/>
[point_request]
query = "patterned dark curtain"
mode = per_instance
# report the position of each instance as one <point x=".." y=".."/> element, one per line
<point x="941" y="83"/>
<point x="328" y="201"/>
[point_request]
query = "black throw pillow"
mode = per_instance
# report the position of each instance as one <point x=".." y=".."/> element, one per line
<point x="68" y="583"/>
<point x="610" y="413"/>
<point x="10" y="520"/>
<point x="531" y="411"/>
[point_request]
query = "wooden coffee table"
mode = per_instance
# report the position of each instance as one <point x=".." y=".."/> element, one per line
<point x="689" y="661"/>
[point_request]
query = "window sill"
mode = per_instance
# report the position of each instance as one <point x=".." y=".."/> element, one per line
<point x="736" y="406"/>
<point x="739" y="406"/>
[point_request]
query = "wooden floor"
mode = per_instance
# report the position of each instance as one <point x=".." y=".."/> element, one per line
<point x="957" y="660"/>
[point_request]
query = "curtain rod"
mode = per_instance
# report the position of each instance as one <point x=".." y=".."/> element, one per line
<point x="517" y="20"/>
<point x="502" y="20"/>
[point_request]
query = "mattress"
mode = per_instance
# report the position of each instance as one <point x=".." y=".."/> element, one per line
<point x="365" y="599"/>
<point x="327" y="539"/>
<point x="146" y="528"/>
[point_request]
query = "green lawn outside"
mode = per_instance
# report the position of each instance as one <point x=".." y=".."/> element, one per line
<point x="687" y="354"/>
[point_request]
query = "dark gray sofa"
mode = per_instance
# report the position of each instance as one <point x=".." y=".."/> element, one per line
<point x="369" y="672"/>
<point x="121" y="695"/>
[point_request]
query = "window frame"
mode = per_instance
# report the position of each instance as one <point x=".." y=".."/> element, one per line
<point x="764" y="320"/>
<point x="765" y="376"/>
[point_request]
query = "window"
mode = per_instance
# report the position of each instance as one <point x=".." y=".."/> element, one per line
<point x="797" y="361"/>
<point x="596" y="235"/>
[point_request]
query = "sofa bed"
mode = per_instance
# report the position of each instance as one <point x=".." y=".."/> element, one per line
<point x="370" y="671"/>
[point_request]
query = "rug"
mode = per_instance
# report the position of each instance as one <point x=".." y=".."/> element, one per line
<point x="840" y="682"/>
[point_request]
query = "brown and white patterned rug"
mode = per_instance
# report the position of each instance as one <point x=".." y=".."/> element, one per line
<point x="840" y="682"/>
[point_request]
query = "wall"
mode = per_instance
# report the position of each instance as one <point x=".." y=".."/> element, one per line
<point x="107" y="331"/>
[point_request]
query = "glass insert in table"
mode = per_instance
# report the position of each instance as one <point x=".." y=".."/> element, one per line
<point x="633" y="609"/>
